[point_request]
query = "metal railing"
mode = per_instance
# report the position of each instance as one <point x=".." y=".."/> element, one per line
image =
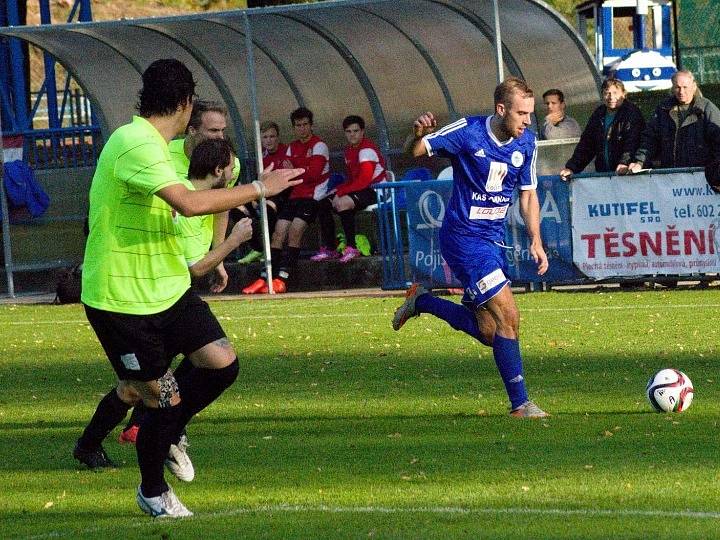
<point x="62" y="147"/>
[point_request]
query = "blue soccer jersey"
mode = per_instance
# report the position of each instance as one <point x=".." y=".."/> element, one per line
<point x="485" y="172"/>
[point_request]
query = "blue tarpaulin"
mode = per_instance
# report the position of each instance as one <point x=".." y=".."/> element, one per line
<point x="23" y="190"/>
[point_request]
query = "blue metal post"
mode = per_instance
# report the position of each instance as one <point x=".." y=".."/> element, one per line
<point x="17" y="65"/>
<point x="85" y="14"/>
<point x="49" y="62"/>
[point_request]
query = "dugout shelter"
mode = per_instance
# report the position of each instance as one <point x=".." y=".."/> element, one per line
<point x="386" y="60"/>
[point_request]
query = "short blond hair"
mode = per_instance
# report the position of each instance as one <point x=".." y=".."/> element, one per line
<point x="269" y="125"/>
<point x="612" y="81"/>
<point x="512" y="85"/>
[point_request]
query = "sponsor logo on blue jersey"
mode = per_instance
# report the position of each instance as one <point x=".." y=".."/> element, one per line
<point x="486" y="172"/>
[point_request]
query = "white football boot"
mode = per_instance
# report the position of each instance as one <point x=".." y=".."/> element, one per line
<point x="178" y="461"/>
<point x="165" y="505"/>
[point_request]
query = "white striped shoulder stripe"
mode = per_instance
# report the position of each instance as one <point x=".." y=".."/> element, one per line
<point x="449" y="128"/>
<point x="533" y="169"/>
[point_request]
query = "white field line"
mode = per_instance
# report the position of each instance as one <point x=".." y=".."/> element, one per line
<point x="441" y="510"/>
<point x="341" y="314"/>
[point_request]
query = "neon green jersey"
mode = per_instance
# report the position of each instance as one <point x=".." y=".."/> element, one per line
<point x="196" y="232"/>
<point x="180" y="161"/>
<point x="197" y="236"/>
<point x="134" y="260"/>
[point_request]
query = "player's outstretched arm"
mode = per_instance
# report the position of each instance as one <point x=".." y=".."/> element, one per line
<point x="211" y="201"/>
<point x="424" y="124"/>
<point x="530" y="210"/>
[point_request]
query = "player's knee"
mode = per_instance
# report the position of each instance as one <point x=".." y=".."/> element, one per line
<point x="486" y="327"/>
<point x="347" y="204"/>
<point x="127" y="394"/>
<point x="487" y="335"/>
<point x="296" y="232"/>
<point x="278" y="237"/>
<point x="227" y="375"/>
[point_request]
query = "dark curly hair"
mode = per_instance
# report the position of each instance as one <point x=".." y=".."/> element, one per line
<point x="167" y="84"/>
<point x="353" y="119"/>
<point x="207" y="156"/>
<point x="300" y="113"/>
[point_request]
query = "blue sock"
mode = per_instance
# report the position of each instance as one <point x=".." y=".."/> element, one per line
<point x="456" y="315"/>
<point x="509" y="364"/>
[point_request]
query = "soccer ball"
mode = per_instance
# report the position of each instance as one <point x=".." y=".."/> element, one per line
<point x="670" y="390"/>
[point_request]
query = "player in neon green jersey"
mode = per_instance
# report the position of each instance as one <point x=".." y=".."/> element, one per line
<point x="207" y="121"/>
<point x="136" y="286"/>
<point x="211" y="167"/>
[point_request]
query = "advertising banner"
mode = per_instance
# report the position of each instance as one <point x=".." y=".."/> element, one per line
<point x="426" y="204"/>
<point x="645" y="225"/>
<point x="555" y="230"/>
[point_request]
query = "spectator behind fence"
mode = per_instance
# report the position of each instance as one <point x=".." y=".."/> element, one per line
<point x="612" y="134"/>
<point x="273" y="152"/>
<point x="680" y="132"/>
<point x="365" y="166"/>
<point x="558" y="125"/>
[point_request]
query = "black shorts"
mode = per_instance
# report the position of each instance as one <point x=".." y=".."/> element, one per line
<point x="305" y="209"/>
<point x="141" y="347"/>
<point x="363" y="198"/>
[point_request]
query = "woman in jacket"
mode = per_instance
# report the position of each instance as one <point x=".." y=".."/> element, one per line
<point x="612" y="134"/>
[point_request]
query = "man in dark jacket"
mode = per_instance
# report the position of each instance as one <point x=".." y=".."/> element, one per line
<point x="680" y="132"/>
<point x="611" y="136"/>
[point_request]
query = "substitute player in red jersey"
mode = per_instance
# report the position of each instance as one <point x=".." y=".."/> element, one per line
<point x="302" y="205"/>
<point x="274" y="152"/>
<point x="366" y="166"/>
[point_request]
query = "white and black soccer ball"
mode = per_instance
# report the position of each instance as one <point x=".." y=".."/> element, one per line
<point x="670" y="390"/>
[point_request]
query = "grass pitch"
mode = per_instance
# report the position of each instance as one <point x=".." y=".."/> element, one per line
<point x="339" y="427"/>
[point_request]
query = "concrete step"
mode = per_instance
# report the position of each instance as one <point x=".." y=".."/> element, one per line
<point x="363" y="272"/>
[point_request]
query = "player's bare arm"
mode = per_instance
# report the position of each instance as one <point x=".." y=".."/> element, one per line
<point x="220" y="278"/>
<point x="241" y="232"/>
<point x="424" y="124"/>
<point x="211" y="201"/>
<point x="530" y="210"/>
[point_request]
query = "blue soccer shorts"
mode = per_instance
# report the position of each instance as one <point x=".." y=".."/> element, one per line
<point x="479" y="264"/>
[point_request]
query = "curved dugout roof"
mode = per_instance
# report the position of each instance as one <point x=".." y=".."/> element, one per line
<point x="386" y="60"/>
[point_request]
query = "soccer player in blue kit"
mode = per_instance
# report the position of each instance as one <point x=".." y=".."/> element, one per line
<point x="490" y="156"/>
